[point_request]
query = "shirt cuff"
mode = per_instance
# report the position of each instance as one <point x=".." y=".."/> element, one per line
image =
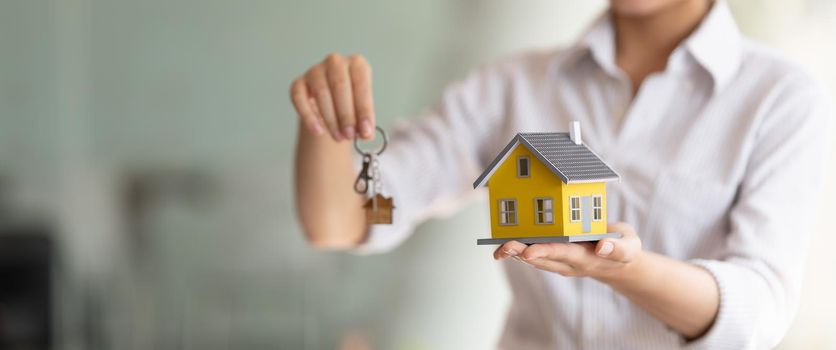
<point x="735" y="320"/>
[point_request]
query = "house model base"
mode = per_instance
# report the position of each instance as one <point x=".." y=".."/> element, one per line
<point x="552" y="239"/>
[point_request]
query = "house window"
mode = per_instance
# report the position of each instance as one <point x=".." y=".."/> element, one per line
<point x="597" y="206"/>
<point x="507" y="211"/>
<point x="543" y="212"/>
<point x="523" y="164"/>
<point x="574" y="209"/>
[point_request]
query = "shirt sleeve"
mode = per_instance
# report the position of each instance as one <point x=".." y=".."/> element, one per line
<point x="759" y="277"/>
<point x="431" y="161"/>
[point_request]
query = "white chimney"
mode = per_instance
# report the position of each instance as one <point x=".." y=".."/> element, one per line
<point x="575" y="132"/>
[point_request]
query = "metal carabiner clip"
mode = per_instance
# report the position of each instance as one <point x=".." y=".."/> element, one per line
<point x="361" y="185"/>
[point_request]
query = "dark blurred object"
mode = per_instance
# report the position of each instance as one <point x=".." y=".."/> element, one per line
<point x="25" y="287"/>
<point x="144" y="191"/>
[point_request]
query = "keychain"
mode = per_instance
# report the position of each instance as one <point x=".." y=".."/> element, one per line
<point x="378" y="207"/>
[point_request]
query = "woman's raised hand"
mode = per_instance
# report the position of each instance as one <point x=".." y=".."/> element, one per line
<point x="336" y="94"/>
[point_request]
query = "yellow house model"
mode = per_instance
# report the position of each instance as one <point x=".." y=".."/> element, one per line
<point x="547" y="187"/>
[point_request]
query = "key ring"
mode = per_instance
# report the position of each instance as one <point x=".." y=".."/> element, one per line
<point x="385" y="141"/>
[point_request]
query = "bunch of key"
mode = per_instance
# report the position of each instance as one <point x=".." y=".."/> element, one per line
<point x="377" y="206"/>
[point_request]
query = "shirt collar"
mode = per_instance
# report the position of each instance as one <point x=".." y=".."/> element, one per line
<point x="714" y="45"/>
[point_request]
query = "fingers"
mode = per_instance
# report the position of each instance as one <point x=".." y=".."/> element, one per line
<point x="339" y="81"/>
<point x="622" y="249"/>
<point x="605" y="248"/>
<point x="361" y="80"/>
<point x="517" y="250"/>
<point x="301" y="101"/>
<point x="319" y="89"/>
<point x="341" y="88"/>
<point x="600" y="259"/>
<point x="509" y="249"/>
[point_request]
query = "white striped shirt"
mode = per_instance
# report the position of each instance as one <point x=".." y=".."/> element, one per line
<point x="720" y="156"/>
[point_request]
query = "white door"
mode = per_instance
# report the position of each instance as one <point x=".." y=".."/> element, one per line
<point x="586" y="213"/>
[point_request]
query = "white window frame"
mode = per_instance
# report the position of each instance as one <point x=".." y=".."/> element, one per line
<point x="528" y="165"/>
<point x="502" y="212"/>
<point x="597" y="210"/>
<point x="574" y="209"/>
<point x="544" y="211"/>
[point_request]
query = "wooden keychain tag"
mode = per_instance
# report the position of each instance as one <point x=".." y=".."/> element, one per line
<point x="377" y="206"/>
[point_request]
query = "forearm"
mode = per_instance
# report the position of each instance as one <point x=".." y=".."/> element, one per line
<point x="683" y="296"/>
<point x="330" y="211"/>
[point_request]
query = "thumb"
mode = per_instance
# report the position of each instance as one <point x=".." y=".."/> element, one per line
<point x="622" y="249"/>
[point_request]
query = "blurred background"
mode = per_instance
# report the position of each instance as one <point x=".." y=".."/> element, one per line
<point x="146" y="153"/>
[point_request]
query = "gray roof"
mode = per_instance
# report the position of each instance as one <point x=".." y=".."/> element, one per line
<point x="572" y="163"/>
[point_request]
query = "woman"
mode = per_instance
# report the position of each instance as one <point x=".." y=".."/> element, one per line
<point x="719" y="144"/>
